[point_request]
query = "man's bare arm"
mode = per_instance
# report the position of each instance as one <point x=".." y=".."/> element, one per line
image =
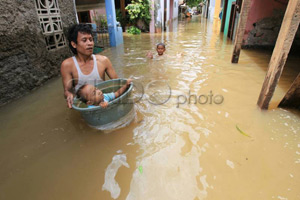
<point x="67" y="82"/>
<point x="110" y="71"/>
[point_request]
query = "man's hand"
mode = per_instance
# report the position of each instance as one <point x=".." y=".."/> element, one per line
<point x="69" y="100"/>
<point x="103" y="104"/>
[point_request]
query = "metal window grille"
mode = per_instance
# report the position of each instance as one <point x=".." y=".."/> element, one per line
<point x="101" y="38"/>
<point x="51" y="24"/>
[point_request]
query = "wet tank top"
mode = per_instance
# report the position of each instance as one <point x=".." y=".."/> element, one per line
<point x="93" y="78"/>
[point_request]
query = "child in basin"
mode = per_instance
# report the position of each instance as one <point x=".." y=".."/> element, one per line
<point x="92" y="96"/>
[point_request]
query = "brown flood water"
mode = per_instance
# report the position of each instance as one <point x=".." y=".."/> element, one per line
<point x="170" y="151"/>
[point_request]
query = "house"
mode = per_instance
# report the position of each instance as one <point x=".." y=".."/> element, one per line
<point x="271" y="24"/>
<point x="33" y="43"/>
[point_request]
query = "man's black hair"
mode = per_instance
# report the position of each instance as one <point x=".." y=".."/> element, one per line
<point x="161" y="44"/>
<point x="73" y="33"/>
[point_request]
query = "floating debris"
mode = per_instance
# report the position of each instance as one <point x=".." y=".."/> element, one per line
<point x="140" y="169"/>
<point x="230" y="164"/>
<point x="242" y="132"/>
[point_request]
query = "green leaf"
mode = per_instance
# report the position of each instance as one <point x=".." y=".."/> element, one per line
<point x="242" y="132"/>
<point x="140" y="169"/>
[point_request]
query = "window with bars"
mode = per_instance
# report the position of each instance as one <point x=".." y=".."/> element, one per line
<point x="51" y="24"/>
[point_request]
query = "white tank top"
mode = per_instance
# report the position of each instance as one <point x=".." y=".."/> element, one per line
<point x="93" y="78"/>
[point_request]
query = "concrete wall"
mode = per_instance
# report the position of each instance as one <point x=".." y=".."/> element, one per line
<point x="25" y="63"/>
<point x="218" y="7"/>
<point x="264" y="21"/>
<point x="95" y="13"/>
<point x="211" y="10"/>
<point x="175" y="9"/>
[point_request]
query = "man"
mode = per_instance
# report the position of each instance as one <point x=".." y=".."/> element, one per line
<point x="84" y="67"/>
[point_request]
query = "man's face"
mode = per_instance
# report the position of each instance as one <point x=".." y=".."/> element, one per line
<point x="160" y="50"/>
<point x="93" y="95"/>
<point x="85" y="43"/>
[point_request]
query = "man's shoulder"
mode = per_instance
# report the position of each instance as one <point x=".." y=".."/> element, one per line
<point x="67" y="63"/>
<point x="101" y="57"/>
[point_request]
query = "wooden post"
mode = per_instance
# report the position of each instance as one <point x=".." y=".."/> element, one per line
<point x="122" y="6"/>
<point x="292" y="97"/>
<point x="240" y="31"/>
<point x="284" y="41"/>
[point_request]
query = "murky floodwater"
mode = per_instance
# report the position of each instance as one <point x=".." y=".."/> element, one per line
<point x="181" y="149"/>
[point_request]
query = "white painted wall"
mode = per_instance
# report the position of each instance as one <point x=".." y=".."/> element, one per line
<point x="161" y="10"/>
<point x="168" y="10"/>
<point x="175" y="9"/>
<point x="211" y="10"/>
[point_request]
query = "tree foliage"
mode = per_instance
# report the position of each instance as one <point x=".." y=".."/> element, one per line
<point x="193" y="3"/>
<point x="139" y="9"/>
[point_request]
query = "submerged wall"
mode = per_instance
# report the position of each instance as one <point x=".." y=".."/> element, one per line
<point x="264" y="21"/>
<point x="25" y="62"/>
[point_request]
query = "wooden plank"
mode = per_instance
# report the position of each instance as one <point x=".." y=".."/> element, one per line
<point x="292" y="97"/>
<point x="238" y="41"/>
<point x="284" y="41"/>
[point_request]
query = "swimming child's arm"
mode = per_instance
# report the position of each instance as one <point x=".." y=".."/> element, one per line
<point x="149" y="55"/>
<point x="123" y="88"/>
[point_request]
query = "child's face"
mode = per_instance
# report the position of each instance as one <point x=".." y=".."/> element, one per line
<point x="93" y="95"/>
<point x="160" y="50"/>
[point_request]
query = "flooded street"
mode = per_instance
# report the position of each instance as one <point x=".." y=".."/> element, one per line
<point x="208" y="140"/>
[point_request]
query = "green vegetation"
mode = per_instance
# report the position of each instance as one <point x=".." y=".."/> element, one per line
<point x="242" y="132"/>
<point x="100" y="21"/>
<point x="134" y="30"/>
<point x="123" y="20"/>
<point x="139" y="10"/>
<point x="193" y="3"/>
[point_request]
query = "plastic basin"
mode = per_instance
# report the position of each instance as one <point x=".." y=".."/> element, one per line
<point x="98" y="117"/>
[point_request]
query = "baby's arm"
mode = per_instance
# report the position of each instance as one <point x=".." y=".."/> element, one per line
<point x="103" y="104"/>
<point x="123" y="88"/>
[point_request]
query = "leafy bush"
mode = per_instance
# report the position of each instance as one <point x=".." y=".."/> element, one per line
<point x="193" y="3"/>
<point x="120" y="18"/>
<point x="133" y="30"/>
<point x="139" y="10"/>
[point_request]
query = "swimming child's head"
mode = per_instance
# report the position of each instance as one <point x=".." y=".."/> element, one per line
<point x="160" y="48"/>
<point x="90" y="95"/>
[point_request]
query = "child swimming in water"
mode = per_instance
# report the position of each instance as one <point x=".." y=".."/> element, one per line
<point x="92" y="96"/>
<point x="161" y="48"/>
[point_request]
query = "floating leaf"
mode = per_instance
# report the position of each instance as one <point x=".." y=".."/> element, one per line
<point x="140" y="169"/>
<point x="242" y="132"/>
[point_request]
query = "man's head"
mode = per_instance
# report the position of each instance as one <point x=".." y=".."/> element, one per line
<point x="160" y="48"/>
<point x="81" y="39"/>
<point x="90" y="95"/>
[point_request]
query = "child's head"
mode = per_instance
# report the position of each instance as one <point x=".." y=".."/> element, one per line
<point x="90" y="95"/>
<point x="160" y="48"/>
